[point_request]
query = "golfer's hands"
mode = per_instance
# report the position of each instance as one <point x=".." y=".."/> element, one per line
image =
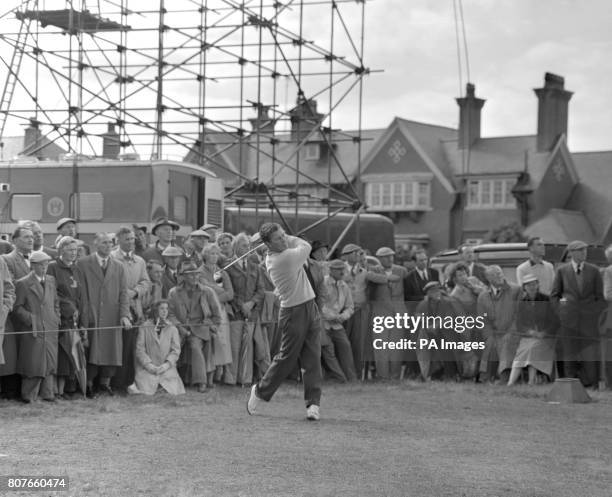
<point x="213" y="330"/>
<point x="126" y="322"/>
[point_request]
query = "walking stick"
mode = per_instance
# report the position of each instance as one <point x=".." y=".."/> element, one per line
<point x="603" y="342"/>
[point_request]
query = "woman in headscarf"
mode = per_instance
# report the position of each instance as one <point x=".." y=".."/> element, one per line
<point x="158" y="347"/>
<point x="68" y="281"/>
<point x="213" y="277"/>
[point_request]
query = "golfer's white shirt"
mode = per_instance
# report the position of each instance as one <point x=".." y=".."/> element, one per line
<point x="286" y="270"/>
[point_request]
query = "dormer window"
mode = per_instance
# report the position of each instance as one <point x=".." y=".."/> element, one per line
<point x="491" y="194"/>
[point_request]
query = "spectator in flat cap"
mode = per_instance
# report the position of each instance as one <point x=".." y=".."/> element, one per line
<point x="37" y="310"/>
<point x="200" y="239"/>
<point x="436" y="362"/>
<point x="498" y="305"/>
<point x="387" y="300"/>
<point x="164" y="229"/>
<point x="578" y="294"/>
<point x="537" y="325"/>
<point x="211" y="229"/>
<point x="336" y="309"/>
<point x="171" y="258"/>
<point x="195" y="312"/>
<point x="359" y="279"/>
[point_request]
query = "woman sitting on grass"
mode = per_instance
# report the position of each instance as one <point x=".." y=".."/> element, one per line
<point x="158" y="347"/>
<point x="537" y="324"/>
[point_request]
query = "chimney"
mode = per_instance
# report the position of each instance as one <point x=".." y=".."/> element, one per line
<point x="304" y="117"/>
<point x="553" y="102"/>
<point x="110" y="143"/>
<point x="32" y="140"/>
<point x="469" y="117"/>
<point x="262" y="123"/>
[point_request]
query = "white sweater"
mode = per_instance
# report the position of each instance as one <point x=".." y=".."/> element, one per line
<point x="286" y="270"/>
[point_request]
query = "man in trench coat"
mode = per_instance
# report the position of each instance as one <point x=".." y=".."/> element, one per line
<point x="37" y="310"/>
<point x="107" y="312"/>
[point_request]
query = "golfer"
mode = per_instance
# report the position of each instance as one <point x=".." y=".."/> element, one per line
<point x="299" y="322"/>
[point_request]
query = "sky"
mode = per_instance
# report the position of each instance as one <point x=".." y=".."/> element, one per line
<point x="511" y="45"/>
<point x="411" y="48"/>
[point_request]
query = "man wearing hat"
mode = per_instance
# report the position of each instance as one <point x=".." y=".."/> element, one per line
<point x="336" y="310"/>
<point x="171" y="257"/>
<point x="434" y="361"/>
<point x="200" y="239"/>
<point x="195" y="312"/>
<point x="498" y="305"/>
<point x="164" y="229"/>
<point x="388" y="300"/>
<point x="37" y="310"/>
<point x="211" y="229"/>
<point x="358" y="277"/>
<point x="66" y="226"/>
<point x="107" y="312"/>
<point x="578" y="294"/>
<point x="18" y="264"/>
<point x="319" y="251"/>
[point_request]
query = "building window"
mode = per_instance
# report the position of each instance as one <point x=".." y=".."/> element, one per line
<point x="399" y="196"/>
<point x="491" y="194"/>
<point x="90" y="206"/>
<point x="25" y="206"/>
<point x="312" y="151"/>
<point x="180" y="209"/>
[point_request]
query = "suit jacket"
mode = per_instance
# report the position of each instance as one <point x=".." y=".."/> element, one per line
<point x="169" y="281"/>
<point x="17" y="265"/>
<point x="414" y="284"/>
<point x="578" y="310"/>
<point x="37" y="309"/>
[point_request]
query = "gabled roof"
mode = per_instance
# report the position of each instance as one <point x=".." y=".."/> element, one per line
<point x="346" y="151"/>
<point x="13" y="147"/>
<point x="562" y="226"/>
<point x="224" y="152"/>
<point x="592" y="194"/>
<point x="426" y="141"/>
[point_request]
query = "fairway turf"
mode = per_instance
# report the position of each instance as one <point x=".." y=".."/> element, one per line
<point x="374" y="439"/>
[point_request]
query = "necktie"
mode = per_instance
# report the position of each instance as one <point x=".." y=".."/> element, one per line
<point x="244" y="264"/>
<point x="579" y="277"/>
<point x="104" y="265"/>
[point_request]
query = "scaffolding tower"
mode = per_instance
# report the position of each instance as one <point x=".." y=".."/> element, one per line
<point x="232" y="85"/>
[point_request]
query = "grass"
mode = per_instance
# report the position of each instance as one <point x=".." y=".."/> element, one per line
<point x="376" y="439"/>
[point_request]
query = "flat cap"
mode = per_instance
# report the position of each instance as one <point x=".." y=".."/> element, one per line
<point x="432" y="285"/>
<point x="39" y="257"/>
<point x="200" y="233"/>
<point x="349" y="248"/>
<point x="62" y="221"/>
<point x="529" y="278"/>
<point x="164" y="221"/>
<point x="318" y="244"/>
<point x="383" y="251"/>
<point x="208" y="226"/>
<point x="576" y="245"/>
<point x="188" y="267"/>
<point x="337" y="264"/>
<point x="172" y="251"/>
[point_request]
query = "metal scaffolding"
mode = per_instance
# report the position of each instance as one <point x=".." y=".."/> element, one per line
<point x="203" y="79"/>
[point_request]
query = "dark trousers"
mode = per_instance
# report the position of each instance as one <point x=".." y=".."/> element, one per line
<point x="300" y="330"/>
<point x="124" y="375"/>
<point x="580" y="358"/>
<point x="344" y="353"/>
<point x="105" y="373"/>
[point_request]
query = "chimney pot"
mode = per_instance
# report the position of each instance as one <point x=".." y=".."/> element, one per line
<point x="553" y="104"/>
<point x="470" y="108"/>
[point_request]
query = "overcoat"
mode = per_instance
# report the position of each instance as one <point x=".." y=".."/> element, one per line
<point x="107" y="302"/>
<point x="7" y="291"/>
<point x="37" y="309"/>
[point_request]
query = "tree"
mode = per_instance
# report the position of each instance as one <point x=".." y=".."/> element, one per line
<point x="511" y="232"/>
